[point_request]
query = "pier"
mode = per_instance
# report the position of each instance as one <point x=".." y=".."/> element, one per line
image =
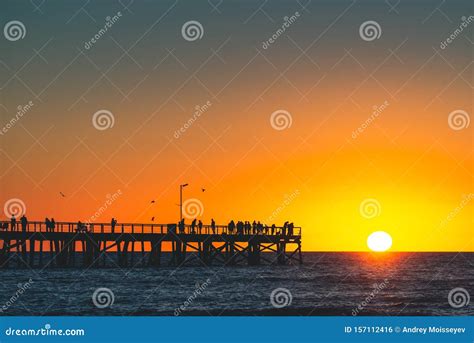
<point x="100" y="245"/>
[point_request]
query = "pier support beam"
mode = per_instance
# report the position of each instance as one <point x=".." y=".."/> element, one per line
<point x="155" y="253"/>
<point x="281" y="252"/>
<point x="32" y="253"/>
<point x="254" y="253"/>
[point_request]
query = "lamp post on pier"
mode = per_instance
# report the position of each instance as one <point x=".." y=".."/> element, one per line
<point x="181" y="200"/>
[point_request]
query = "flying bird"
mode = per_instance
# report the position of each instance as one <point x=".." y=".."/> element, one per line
<point x="62" y="194"/>
<point x="152" y="218"/>
<point x="203" y="189"/>
<point x="153" y="201"/>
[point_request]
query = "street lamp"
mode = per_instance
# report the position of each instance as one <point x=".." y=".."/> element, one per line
<point x="181" y="200"/>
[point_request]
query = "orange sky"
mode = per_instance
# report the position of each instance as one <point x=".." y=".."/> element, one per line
<point x="409" y="159"/>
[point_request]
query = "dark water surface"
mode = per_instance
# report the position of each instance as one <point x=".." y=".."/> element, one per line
<point x="326" y="284"/>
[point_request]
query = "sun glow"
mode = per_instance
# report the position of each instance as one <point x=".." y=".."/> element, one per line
<point x="379" y="241"/>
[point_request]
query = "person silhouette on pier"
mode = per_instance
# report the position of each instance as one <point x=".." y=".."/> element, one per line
<point x="231" y="227"/>
<point x="273" y="229"/>
<point x="240" y="227"/>
<point x="213" y="226"/>
<point x="254" y="227"/>
<point x="290" y="229"/>
<point x="247" y="227"/>
<point x="52" y="225"/>
<point x="284" y="229"/>
<point x="47" y="223"/>
<point x="24" y="223"/>
<point x="193" y="226"/>
<point x="200" y="227"/>
<point x="113" y="222"/>
<point x="13" y="222"/>
<point x="181" y="226"/>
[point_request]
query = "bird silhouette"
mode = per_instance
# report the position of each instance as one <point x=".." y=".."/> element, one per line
<point x="62" y="194"/>
<point x="152" y="218"/>
<point x="203" y="189"/>
<point x="153" y="201"/>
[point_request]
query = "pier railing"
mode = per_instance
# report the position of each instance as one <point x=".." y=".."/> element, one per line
<point x="148" y="228"/>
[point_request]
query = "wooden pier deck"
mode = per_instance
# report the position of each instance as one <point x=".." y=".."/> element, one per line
<point x="130" y="245"/>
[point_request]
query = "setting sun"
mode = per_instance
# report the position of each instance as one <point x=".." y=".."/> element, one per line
<point x="379" y="241"/>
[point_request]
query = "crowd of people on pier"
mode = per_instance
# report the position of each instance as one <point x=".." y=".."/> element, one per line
<point x="239" y="228"/>
<point x="196" y="227"/>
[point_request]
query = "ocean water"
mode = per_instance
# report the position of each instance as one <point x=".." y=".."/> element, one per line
<point x="395" y="284"/>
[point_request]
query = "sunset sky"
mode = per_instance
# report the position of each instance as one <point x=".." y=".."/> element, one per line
<point x="414" y="163"/>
